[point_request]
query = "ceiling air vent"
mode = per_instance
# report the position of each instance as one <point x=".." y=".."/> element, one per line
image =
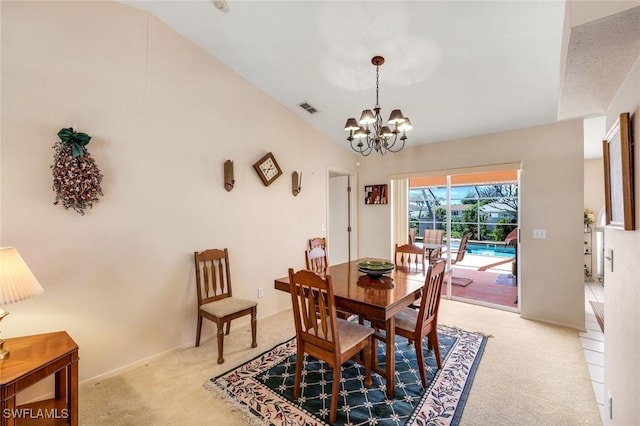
<point x="310" y="109"/>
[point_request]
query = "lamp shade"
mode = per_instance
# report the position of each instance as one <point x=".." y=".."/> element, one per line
<point x="17" y="282"/>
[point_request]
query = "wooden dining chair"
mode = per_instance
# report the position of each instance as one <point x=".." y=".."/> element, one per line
<point x="415" y="325"/>
<point x="316" y="260"/>
<point x="318" y="242"/>
<point x="408" y="255"/>
<point x="433" y="236"/>
<point x="321" y="334"/>
<point x="215" y="300"/>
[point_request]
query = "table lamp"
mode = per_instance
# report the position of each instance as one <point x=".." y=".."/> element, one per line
<point x="17" y="283"/>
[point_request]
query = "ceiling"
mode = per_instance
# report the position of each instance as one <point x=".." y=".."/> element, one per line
<point x="456" y="68"/>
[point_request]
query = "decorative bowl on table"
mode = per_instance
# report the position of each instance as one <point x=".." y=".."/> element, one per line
<point x="374" y="268"/>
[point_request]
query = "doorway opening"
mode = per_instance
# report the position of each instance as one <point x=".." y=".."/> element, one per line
<point x="341" y="216"/>
<point x="485" y="207"/>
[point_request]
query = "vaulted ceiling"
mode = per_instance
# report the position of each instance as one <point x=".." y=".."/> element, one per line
<point x="456" y="68"/>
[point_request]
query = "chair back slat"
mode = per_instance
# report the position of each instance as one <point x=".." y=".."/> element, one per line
<point x="314" y="309"/>
<point x="408" y="255"/>
<point x="316" y="260"/>
<point x="433" y="236"/>
<point x="213" y="278"/>
<point x="431" y="293"/>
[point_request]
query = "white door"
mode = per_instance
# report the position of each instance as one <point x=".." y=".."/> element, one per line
<point x="341" y="214"/>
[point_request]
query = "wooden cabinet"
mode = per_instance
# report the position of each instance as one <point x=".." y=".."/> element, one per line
<point x="31" y="359"/>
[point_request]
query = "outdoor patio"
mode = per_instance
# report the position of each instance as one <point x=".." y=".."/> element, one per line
<point x="492" y="280"/>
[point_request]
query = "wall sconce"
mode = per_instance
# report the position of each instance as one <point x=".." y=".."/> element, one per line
<point x="228" y="175"/>
<point x="296" y="183"/>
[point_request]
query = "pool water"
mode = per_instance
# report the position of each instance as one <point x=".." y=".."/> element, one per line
<point x="487" y="249"/>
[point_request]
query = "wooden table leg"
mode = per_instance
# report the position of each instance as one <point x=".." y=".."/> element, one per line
<point x="60" y="391"/>
<point x="390" y="332"/>
<point x="72" y="388"/>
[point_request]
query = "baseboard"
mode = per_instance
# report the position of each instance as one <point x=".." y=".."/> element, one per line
<point x="561" y="324"/>
<point x="191" y="343"/>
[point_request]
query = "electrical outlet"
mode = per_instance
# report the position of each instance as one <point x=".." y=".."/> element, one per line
<point x="260" y="292"/>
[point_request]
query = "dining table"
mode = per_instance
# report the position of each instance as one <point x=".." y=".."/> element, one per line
<point x="373" y="298"/>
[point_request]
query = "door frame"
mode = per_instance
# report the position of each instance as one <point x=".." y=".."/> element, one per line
<point x="353" y="207"/>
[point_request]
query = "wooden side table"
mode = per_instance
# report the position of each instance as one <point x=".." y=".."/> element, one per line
<point x="32" y="359"/>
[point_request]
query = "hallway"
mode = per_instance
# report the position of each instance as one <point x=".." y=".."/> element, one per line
<point x="593" y="345"/>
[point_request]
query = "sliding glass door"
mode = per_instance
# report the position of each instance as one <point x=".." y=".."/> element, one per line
<point x="484" y="205"/>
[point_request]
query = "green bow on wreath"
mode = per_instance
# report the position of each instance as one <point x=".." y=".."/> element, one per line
<point x="75" y="139"/>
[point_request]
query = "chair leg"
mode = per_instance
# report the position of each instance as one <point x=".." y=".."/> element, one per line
<point x="298" y="376"/>
<point x="367" y="360"/>
<point x="220" y="342"/>
<point x="335" y="391"/>
<point x="198" y="329"/>
<point x="228" y="327"/>
<point x="374" y="353"/>
<point x="254" y="326"/>
<point x="433" y="339"/>
<point x="420" y="361"/>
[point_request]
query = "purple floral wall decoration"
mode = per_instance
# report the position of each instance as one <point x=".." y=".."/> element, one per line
<point x="76" y="177"/>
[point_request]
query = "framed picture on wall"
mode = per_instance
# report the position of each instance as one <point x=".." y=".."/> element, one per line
<point x="618" y="175"/>
<point x="375" y="194"/>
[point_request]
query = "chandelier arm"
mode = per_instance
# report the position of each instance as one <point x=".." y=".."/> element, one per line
<point x="360" y="150"/>
<point x="390" y="148"/>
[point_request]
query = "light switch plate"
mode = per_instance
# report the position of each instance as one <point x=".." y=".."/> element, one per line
<point x="539" y="234"/>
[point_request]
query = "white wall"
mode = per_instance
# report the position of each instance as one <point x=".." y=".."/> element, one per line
<point x="622" y="285"/>
<point x="164" y="116"/>
<point x="551" y="198"/>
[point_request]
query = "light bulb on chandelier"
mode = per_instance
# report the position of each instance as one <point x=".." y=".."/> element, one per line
<point x="378" y="138"/>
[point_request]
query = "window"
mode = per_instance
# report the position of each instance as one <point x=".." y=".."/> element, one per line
<point x="489" y="211"/>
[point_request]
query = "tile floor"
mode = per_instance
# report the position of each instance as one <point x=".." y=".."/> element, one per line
<point x="593" y="345"/>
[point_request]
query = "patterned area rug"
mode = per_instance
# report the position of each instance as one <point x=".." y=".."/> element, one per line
<point x="262" y="387"/>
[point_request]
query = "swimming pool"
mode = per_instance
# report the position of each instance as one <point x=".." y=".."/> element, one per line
<point x="487" y="249"/>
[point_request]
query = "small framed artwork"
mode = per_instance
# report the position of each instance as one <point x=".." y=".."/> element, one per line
<point x="617" y="153"/>
<point x="375" y="194"/>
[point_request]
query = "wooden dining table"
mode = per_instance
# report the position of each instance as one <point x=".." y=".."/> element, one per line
<point x="373" y="298"/>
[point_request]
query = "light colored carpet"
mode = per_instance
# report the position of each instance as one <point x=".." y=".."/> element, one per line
<point x="530" y="374"/>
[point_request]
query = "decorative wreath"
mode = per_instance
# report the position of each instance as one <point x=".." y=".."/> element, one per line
<point x="76" y="177"/>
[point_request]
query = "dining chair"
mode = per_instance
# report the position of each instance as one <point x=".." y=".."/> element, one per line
<point x="316" y="260"/>
<point x="433" y="236"/>
<point x="318" y="242"/>
<point x="215" y="300"/>
<point x="321" y="334"/>
<point x="415" y="325"/>
<point x="462" y="249"/>
<point x="408" y="255"/>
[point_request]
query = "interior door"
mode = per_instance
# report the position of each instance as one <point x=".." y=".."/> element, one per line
<point x="341" y="214"/>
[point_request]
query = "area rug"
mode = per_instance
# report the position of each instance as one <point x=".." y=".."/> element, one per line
<point x="506" y="279"/>
<point x="263" y="387"/>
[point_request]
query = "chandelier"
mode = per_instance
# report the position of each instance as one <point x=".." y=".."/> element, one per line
<point x="378" y="137"/>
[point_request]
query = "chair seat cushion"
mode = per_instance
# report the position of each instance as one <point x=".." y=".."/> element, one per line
<point x="351" y="333"/>
<point x="227" y="306"/>
<point x="406" y="319"/>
